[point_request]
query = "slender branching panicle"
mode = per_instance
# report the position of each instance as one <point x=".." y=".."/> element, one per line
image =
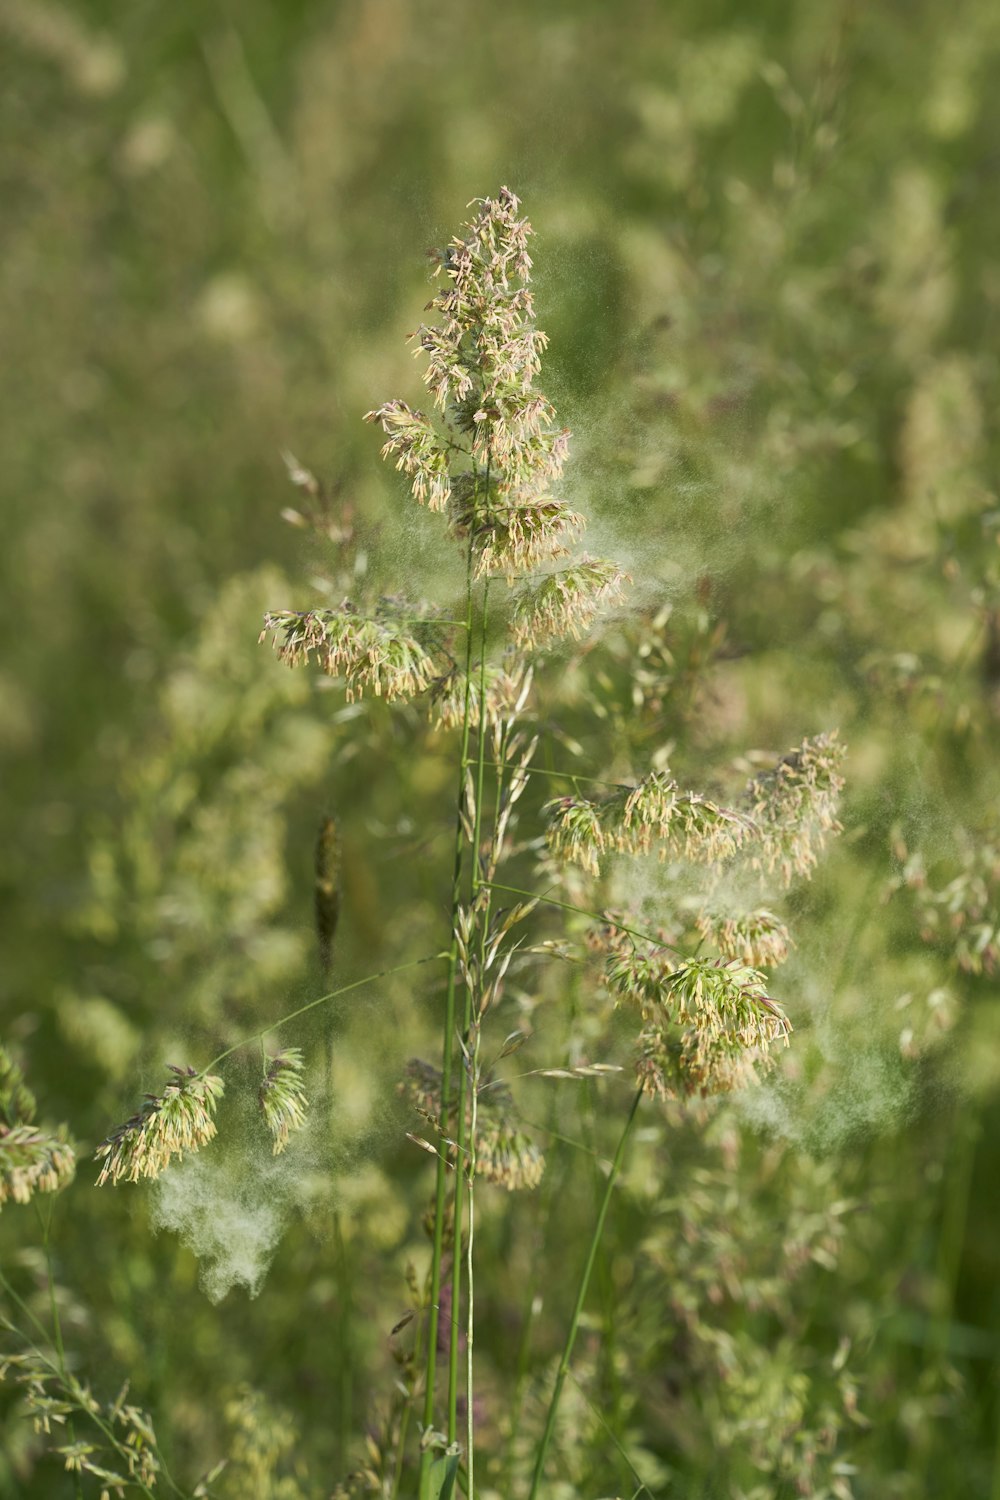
<point x="122" y="1433"/>
<point x="283" y="1101"/>
<point x="794" y="807"/>
<point x="168" y="1124"/>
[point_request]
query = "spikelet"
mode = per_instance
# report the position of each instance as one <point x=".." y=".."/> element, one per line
<point x="168" y="1124"/>
<point x="374" y="653"/>
<point x="565" y="603"/>
<point x="794" y="807"/>
<point x="282" y="1097"/>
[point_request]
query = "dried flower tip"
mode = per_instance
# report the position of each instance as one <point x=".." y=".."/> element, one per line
<point x="757" y="938"/>
<point x="418" y="450"/>
<point x="33" y="1161"/>
<point x="375" y="653"/>
<point x="565" y="603"/>
<point x="167" y="1125"/>
<point x="794" y="806"/>
<point x="283" y="1100"/>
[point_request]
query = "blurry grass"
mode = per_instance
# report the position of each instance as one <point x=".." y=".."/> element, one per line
<point x="766" y="249"/>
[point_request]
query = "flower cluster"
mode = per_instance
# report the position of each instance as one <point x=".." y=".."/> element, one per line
<point x="32" y="1160"/>
<point x="504" y="1154"/>
<point x="506" y="689"/>
<point x="794" y="807"/>
<point x="511" y="537"/>
<point x="492" y="470"/>
<point x="635" y="819"/>
<point x="565" y="602"/>
<point x="418" y="450"/>
<point x="757" y="938"/>
<point x="282" y="1097"/>
<point x="376" y="653"/>
<point x="708" y="1022"/>
<point x="168" y="1124"/>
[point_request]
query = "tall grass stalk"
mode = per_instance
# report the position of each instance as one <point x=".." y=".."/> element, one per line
<point x="447" y="1053"/>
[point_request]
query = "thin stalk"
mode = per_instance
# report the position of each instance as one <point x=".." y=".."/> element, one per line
<point x="441" y="1184"/>
<point x="45" y="1223"/>
<point x="581" y="1297"/>
<point x="585" y="911"/>
<point x="465" y="1133"/>
<point x="569" y="776"/>
<point x="355" y="984"/>
<point x="404" y="1421"/>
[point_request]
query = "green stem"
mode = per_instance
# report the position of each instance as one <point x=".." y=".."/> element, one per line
<point x="45" y="1224"/>
<point x="465" y="1133"/>
<point x="581" y="1297"/>
<point x="619" y="786"/>
<point x="584" y="911"/>
<point x="345" y="989"/>
<point x="440" y="1186"/>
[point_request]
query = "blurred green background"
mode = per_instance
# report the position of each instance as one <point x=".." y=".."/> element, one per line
<point x="766" y="260"/>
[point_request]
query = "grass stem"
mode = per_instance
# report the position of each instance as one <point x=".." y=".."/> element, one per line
<point x="581" y="1297"/>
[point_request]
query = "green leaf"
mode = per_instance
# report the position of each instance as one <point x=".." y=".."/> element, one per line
<point x="438" y="1480"/>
